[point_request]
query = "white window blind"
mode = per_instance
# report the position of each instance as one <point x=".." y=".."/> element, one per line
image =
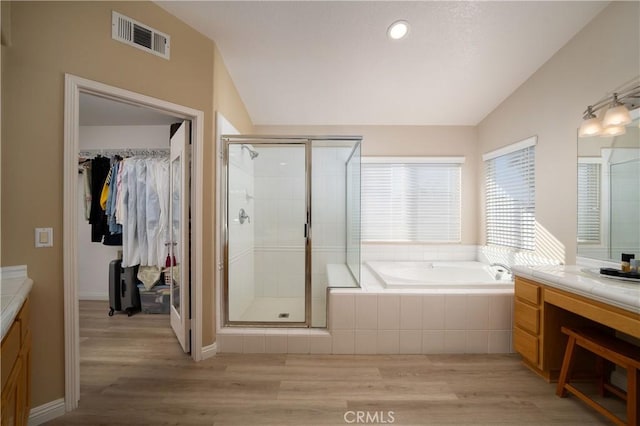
<point x="589" y="203"/>
<point x="411" y="202"/>
<point x="510" y="199"/>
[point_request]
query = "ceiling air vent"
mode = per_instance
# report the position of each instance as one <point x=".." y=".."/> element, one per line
<point x="138" y="35"/>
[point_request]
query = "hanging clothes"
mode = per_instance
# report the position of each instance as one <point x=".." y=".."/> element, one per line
<point x="99" y="170"/>
<point x="144" y="210"/>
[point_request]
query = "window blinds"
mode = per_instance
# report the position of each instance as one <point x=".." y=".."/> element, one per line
<point x="411" y="202"/>
<point x="589" y="203"/>
<point x="510" y="199"/>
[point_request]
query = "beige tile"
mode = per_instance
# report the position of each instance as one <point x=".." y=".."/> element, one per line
<point x="455" y="341"/>
<point x="366" y="311"/>
<point x="388" y="312"/>
<point x="410" y="342"/>
<point x="477" y="342"/>
<point x="410" y="312"/>
<point x="343" y="341"/>
<point x="455" y="306"/>
<point x="366" y="342"/>
<point x="388" y="341"/>
<point x="341" y="311"/>
<point x="477" y="312"/>
<point x="433" y="306"/>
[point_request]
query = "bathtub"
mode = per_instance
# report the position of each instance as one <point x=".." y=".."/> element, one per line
<point x="441" y="275"/>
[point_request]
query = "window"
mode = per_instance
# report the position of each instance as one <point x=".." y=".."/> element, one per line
<point x="510" y="195"/>
<point x="411" y="199"/>
<point x="589" y="203"/>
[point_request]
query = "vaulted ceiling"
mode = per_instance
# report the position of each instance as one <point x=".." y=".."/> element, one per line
<point x="331" y="62"/>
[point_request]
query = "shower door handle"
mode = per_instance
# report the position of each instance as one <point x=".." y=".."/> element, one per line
<point x="306" y="230"/>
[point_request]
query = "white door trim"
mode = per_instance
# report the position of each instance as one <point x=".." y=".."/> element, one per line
<point x="73" y="87"/>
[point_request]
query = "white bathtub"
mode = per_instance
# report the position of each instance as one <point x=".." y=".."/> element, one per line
<point x="441" y="275"/>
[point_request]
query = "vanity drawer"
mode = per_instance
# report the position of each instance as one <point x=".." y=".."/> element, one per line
<point x="526" y="345"/>
<point x="527" y="291"/>
<point x="527" y="317"/>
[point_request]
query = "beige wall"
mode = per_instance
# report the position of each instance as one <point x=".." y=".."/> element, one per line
<point x="408" y="141"/>
<point x="604" y="55"/>
<point x="50" y="39"/>
<point x="227" y="102"/>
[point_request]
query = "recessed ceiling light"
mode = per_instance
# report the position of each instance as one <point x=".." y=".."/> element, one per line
<point x="398" y="30"/>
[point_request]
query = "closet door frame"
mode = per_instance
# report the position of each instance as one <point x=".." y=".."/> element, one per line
<point x="75" y="85"/>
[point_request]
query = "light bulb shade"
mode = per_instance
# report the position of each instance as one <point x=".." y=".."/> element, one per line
<point x="613" y="131"/>
<point x="590" y="127"/>
<point x="616" y="116"/>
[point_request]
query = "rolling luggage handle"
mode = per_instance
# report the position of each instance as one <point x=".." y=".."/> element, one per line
<point x="168" y="263"/>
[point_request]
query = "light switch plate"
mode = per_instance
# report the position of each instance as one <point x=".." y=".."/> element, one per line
<point x="44" y="237"/>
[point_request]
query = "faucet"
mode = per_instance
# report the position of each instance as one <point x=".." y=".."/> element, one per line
<point x="502" y="265"/>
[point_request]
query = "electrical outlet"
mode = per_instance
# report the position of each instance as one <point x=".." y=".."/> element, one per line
<point x="44" y="237"/>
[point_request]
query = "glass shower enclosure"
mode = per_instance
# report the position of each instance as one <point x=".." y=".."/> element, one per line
<point x="291" y="227"/>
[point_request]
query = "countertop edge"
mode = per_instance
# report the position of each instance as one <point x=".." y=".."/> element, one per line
<point x="551" y="281"/>
<point x="18" y="294"/>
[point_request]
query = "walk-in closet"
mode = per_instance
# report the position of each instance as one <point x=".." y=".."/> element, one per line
<point x="130" y="215"/>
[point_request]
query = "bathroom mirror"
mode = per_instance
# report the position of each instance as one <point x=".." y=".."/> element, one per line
<point x="609" y="194"/>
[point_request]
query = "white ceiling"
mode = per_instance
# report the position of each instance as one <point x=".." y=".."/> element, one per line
<point x="330" y="62"/>
<point x="97" y="111"/>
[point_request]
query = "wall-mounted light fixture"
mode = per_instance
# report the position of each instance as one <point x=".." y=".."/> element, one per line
<point x="617" y="115"/>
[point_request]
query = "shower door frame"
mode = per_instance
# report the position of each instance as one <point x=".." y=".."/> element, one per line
<point x="266" y="140"/>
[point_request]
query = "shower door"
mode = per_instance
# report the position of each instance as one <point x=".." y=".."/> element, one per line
<point x="267" y="233"/>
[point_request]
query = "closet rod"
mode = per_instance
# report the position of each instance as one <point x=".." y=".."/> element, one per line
<point x="125" y="152"/>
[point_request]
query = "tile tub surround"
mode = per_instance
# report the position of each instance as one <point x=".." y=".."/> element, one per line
<point x="15" y="286"/>
<point x="365" y="321"/>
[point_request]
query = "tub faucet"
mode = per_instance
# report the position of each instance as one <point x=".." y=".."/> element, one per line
<point x="502" y="265"/>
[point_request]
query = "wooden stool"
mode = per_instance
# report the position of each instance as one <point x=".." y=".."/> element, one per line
<point x="608" y="347"/>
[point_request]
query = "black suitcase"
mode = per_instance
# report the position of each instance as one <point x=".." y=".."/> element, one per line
<point x="123" y="290"/>
<point x="115" y="266"/>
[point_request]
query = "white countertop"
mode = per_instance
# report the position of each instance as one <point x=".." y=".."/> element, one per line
<point x="583" y="281"/>
<point x="15" y="286"/>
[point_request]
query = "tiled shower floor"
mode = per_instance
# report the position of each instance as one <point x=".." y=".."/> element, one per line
<point x="269" y="309"/>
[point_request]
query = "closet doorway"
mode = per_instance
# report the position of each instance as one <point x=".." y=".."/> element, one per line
<point x="105" y="121"/>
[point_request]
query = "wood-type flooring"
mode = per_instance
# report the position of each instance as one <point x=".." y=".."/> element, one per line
<point x="133" y="372"/>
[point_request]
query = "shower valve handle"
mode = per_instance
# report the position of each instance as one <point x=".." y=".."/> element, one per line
<point x="242" y="216"/>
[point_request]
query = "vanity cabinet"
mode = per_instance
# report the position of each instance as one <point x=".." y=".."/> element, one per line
<point x="526" y="325"/>
<point x="540" y="310"/>
<point x="16" y="370"/>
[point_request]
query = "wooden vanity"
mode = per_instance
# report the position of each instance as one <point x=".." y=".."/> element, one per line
<point x="15" y="351"/>
<point x="544" y="302"/>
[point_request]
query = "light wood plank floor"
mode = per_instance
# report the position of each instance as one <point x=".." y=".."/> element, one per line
<point x="134" y="373"/>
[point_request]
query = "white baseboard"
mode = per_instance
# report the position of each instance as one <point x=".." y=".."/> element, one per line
<point x="209" y="351"/>
<point x="93" y="296"/>
<point x="45" y="412"/>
